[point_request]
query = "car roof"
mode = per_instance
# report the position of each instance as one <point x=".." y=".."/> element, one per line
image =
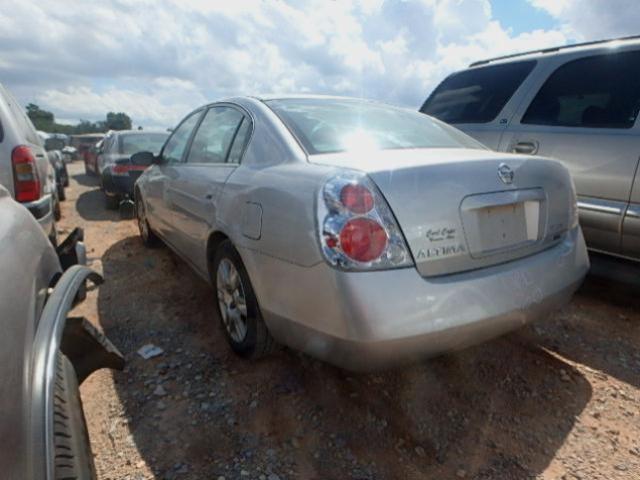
<point x="136" y="132"/>
<point x="297" y="96"/>
<point x="633" y="40"/>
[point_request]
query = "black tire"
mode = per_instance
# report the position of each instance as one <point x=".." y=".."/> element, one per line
<point x="257" y="342"/>
<point x="111" y="202"/>
<point x="61" y="193"/>
<point x="73" y="457"/>
<point x="57" y="212"/>
<point x="53" y="236"/>
<point x="148" y="236"/>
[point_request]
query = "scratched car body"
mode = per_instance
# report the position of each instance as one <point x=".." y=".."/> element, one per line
<point x="361" y="233"/>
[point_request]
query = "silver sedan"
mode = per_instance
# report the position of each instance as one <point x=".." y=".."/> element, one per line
<point x="361" y="233"/>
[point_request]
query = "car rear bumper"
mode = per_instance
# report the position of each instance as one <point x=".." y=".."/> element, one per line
<point x="42" y="210"/>
<point x="373" y="320"/>
<point x="118" y="186"/>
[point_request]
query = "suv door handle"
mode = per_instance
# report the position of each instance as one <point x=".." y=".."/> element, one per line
<point x="526" y="148"/>
<point x="209" y="196"/>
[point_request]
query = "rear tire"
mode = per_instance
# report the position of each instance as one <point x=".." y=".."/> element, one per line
<point x="73" y="457"/>
<point x="111" y="202"/>
<point x="57" y="212"/>
<point x="257" y="341"/>
<point x="61" y="193"/>
<point x="53" y="235"/>
<point x="149" y="238"/>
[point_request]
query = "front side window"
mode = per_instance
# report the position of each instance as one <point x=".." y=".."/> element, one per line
<point x="177" y="143"/>
<point x="476" y="95"/>
<point x="594" y="92"/>
<point x="214" y="136"/>
<point x="324" y="125"/>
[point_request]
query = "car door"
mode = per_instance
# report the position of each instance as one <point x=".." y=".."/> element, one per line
<point x="631" y="223"/>
<point x="584" y="114"/>
<point x="197" y="186"/>
<point x="157" y="192"/>
<point x="480" y="101"/>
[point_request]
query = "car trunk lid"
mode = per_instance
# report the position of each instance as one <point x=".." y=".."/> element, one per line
<point x="462" y="209"/>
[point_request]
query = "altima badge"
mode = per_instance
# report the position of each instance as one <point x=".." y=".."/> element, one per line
<point x="505" y="173"/>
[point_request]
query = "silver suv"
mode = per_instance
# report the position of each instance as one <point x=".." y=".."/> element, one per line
<point x="25" y="170"/>
<point x="45" y="350"/>
<point x="578" y="104"/>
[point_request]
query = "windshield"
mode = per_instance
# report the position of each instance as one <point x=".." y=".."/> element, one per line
<point x="336" y="125"/>
<point x="142" y="142"/>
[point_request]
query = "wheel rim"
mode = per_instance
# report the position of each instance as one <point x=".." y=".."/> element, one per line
<point x="143" y="226"/>
<point x="232" y="300"/>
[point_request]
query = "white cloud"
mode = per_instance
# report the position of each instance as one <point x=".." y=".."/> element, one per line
<point x="593" y="19"/>
<point x="156" y="60"/>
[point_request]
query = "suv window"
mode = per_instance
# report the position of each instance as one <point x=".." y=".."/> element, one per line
<point x="177" y="143"/>
<point x="22" y="120"/>
<point x="477" y="95"/>
<point x="214" y="136"/>
<point x="595" y="92"/>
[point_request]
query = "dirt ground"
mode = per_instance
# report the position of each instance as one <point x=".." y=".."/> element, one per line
<point x="556" y="400"/>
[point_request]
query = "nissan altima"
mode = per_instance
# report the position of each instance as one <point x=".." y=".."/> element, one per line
<point x="358" y="232"/>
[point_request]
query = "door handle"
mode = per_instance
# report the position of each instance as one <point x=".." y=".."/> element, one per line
<point x="526" y="148"/>
<point x="209" y="196"/>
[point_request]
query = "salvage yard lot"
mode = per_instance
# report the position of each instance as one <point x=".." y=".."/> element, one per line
<point x="559" y="399"/>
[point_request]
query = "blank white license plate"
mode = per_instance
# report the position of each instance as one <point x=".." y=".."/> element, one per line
<point x="504" y="226"/>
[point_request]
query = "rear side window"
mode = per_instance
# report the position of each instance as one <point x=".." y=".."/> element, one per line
<point x="477" y="95"/>
<point x="594" y="92"/>
<point x="240" y="141"/>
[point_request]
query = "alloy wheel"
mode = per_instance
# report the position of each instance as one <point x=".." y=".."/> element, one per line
<point x="231" y="300"/>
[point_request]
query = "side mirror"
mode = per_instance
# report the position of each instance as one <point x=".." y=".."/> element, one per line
<point x="143" y="158"/>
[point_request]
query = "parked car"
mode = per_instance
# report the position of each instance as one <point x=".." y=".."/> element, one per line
<point x="578" y="104"/>
<point x="69" y="153"/>
<point x="25" y="170"/>
<point x="117" y="173"/>
<point x="61" y="179"/>
<point x="44" y="353"/>
<point x="53" y="146"/>
<point x="360" y="233"/>
<point x="91" y="158"/>
<point x="83" y="142"/>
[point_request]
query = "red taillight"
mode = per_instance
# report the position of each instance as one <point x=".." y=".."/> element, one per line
<point x="356" y="198"/>
<point x="120" y="169"/>
<point x="363" y="239"/>
<point x="25" y="174"/>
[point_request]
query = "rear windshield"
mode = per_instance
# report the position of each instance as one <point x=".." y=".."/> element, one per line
<point x="325" y="125"/>
<point x="142" y="142"/>
<point x="477" y="95"/>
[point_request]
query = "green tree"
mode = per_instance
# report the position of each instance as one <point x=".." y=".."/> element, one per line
<point x="118" y="121"/>
<point x="41" y="119"/>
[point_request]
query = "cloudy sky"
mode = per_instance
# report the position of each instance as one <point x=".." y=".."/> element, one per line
<point x="158" y="59"/>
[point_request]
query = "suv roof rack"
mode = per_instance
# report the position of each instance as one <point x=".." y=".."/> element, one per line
<point x="554" y="49"/>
